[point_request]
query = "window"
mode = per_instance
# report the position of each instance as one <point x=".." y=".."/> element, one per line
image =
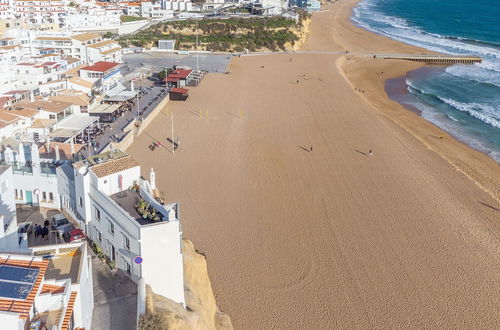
<point x="111" y="228"/>
<point x="99" y="236"/>
<point x="44" y="196"/>
<point x="81" y="202"/>
<point x="127" y="267"/>
<point x="98" y="214"/>
<point x="51" y="196"/>
<point x="52" y="116"/>
<point x="126" y="242"/>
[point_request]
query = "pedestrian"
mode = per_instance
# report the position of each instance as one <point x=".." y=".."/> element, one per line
<point x="297" y="81"/>
<point x="45" y="232"/>
<point x="35" y="229"/>
<point x="311" y="148"/>
<point x="46" y="223"/>
<point x="370" y="153"/>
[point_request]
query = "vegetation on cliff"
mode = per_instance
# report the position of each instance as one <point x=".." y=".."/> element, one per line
<point x="231" y="34"/>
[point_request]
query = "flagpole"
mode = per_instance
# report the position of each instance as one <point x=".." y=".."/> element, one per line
<point x="173" y="143"/>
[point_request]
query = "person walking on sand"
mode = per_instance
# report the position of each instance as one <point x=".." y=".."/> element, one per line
<point x="370" y="153"/>
<point x="311" y="148"/>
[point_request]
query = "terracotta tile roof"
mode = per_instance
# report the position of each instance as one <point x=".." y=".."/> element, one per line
<point x="64" y="149"/>
<point x="81" y="82"/>
<point x="42" y="123"/>
<point x="21" y="111"/>
<point x="114" y="166"/>
<point x="52" y="288"/>
<point x="71" y="59"/>
<point x="182" y="74"/>
<point x="85" y="36"/>
<point x="102" y="43"/>
<point x="7" y="117"/>
<point x="23" y="307"/>
<point x="179" y="90"/>
<point x="101" y="66"/>
<point x="69" y="311"/>
<point x="49" y="106"/>
<point x="111" y="51"/>
<point x="53" y="38"/>
<point x="74" y="71"/>
<point x="81" y="100"/>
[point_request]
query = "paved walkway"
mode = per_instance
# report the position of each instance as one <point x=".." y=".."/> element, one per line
<point x="115" y="299"/>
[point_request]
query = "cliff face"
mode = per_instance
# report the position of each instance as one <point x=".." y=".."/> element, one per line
<point x="201" y="309"/>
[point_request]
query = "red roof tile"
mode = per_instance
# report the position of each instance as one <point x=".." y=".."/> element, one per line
<point x="23" y="307"/>
<point x="100" y="66"/>
<point x="182" y="74"/>
<point x="51" y="288"/>
<point x="179" y="90"/>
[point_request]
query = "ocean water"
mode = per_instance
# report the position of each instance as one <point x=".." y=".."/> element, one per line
<point x="464" y="100"/>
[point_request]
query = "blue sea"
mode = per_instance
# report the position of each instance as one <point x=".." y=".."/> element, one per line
<point x="464" y="100"/>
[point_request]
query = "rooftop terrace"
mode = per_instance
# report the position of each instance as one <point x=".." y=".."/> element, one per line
<point x="128" y="200"/>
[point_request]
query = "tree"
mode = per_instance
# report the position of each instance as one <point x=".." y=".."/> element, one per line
<point x="162" y="75"/>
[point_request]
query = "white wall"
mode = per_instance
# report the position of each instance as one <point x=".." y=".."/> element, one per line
<point x="38" y="181"/>
<point x="10" y="321"/>
<point x="84" y="303"/>
<point x="82" y="188"/>
<point x="109" y="184"/>
<point x="7" y="201"/>
<point x="162" y="266"/>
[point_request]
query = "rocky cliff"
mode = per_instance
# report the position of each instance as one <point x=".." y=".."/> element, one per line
<point x="201" y="310"/>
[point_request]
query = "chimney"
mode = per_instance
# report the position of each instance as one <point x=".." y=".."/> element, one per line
<point x="72" y="147"/>
<point x="152" y="179"/>
<point x="58" y="157"/>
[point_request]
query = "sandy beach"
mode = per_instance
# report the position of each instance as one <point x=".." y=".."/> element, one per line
<point x="333" y="237"/>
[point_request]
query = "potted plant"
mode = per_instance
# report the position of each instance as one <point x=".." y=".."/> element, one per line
<point x="142" y="207"/>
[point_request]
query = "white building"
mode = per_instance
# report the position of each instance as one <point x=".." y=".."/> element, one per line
<point x="56" y="290"/>
<point x="108" y="187"/>
<point x="91" y="16"/>
<point x="106" y="75"/>
<point x="35" y="179"/>
<point x="7" y="201"/>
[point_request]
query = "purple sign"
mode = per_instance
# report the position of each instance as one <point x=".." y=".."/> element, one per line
<point x="137" y="260"/>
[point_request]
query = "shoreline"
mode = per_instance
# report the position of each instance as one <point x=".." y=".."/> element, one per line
<point x="477" y="165"/>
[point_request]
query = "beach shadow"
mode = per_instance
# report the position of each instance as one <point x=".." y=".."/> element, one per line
<point x="491" y="207"/>
<point x="361" y="152"/>
<point x="305" y="149"/>
<point x="157" y="140"/>
<point x="232" y="114"/>
<point x="196" y="114"/>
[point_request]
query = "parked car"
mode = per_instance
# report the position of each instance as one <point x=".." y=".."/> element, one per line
<point x="61" y="224"/>
<point x="74" y="235"/>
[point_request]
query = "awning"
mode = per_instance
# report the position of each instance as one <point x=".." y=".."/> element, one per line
<point x="115" y="90"/>
<point x="121" y="97"/>
<point x="105" y="109"/>
<point x="76" y="122"/>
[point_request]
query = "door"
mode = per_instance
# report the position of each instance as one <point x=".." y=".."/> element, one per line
<point x="112" y="252"/>
<point x="29" y="197"/>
